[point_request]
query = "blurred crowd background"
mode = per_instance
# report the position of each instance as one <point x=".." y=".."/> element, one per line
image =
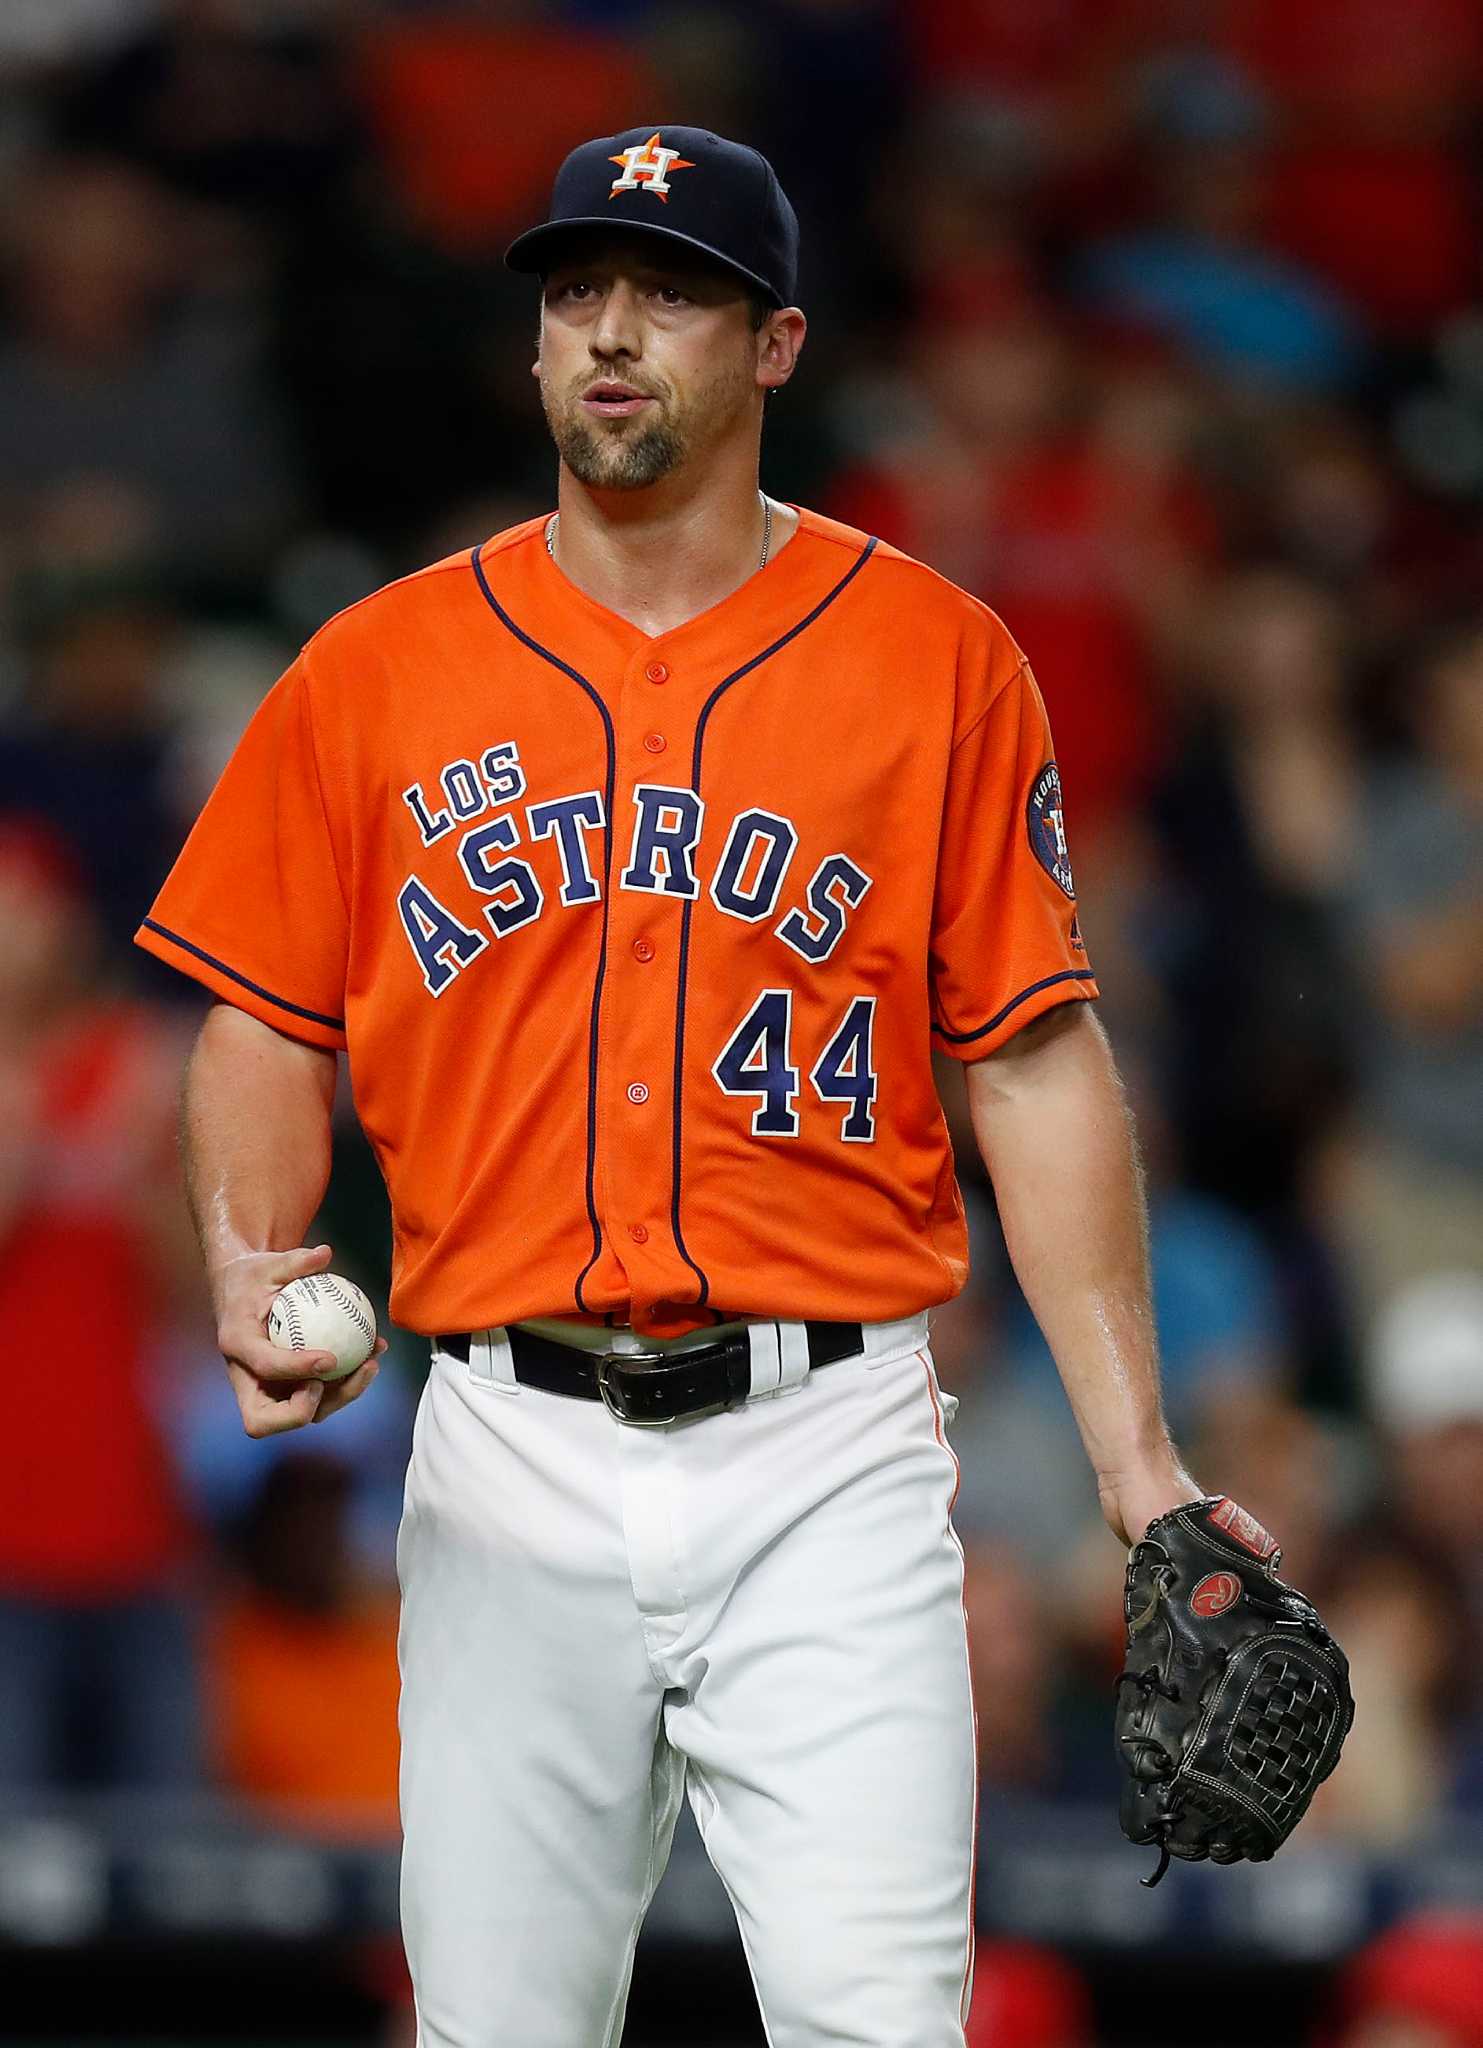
<point x="1158" y="324"/>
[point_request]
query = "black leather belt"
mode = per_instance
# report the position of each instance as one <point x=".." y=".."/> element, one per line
<point x="651" y="1387"/>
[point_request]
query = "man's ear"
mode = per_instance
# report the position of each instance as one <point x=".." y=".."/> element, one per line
<point x="782" y="340"/>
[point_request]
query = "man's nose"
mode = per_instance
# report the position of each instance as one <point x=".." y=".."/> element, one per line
<point x="618" y="330"/>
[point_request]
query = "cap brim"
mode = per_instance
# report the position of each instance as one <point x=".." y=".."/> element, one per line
<point x="536" y="250"/>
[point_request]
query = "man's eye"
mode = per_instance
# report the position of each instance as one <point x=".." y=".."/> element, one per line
<point x="671" y="295"/>
<point x="576" y="288"/>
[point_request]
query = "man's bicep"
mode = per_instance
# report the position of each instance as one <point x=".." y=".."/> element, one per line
<point x="256" y="1106"/>
<point x="1063" y="1043"/>
<point x="235" y="1042"/>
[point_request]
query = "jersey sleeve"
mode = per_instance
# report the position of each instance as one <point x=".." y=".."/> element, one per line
<point x="1005" y="942"/>
<point x="255" y="907"/>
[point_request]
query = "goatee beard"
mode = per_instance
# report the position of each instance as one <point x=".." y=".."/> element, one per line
<point x="618" y="465"/>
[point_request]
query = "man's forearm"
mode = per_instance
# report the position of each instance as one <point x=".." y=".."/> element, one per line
<point x="257" y="1157"/>
<point x="1051" y="1123"/>
<point x="256" y="1132"/>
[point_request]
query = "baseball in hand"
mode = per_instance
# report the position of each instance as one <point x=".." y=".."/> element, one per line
<point x="323" y="1312"/>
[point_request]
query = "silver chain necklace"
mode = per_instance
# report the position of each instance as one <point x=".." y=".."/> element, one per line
<point x="761" y="559"/>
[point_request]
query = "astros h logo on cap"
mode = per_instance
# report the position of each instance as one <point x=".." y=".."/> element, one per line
<point x="649" y="165"/>
<point x="733" y="212"/>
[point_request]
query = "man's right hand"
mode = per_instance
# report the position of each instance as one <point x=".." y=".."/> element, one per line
<point x="276" y="1389"/>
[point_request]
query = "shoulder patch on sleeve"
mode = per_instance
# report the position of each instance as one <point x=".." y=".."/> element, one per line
<point x="1045" y="822"/>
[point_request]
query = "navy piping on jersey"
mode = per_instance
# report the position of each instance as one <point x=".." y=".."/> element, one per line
<point x="607" y="870"/>
<point x="710" y="704"/>
<point x="279" y="1002"/>
<point x="1050" y="981"/>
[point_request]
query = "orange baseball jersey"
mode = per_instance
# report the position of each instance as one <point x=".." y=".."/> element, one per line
<point x="640" y="946"/>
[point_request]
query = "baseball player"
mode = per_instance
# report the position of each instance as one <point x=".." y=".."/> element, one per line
<point x="638" y="859"/>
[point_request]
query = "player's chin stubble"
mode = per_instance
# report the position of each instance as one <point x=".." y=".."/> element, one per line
<point x="633" y="457"/>
<point x="617" y="462"/>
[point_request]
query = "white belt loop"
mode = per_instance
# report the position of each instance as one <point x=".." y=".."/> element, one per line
<point x="885" y="1341"/>
<point x="779" y="1358"/>
<point x="793" y="1351"/>
<point x="491" y="1361"/>
<point x="763" y="1341"/>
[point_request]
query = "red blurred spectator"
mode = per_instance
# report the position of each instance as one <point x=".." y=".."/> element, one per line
<point x="1388" y="64"/>
<point x="1065" y="528"/>
<point x="1418" y="1986"/>
<point x="95" y="1656"/>
<point x="1027" y="1997"/>
<point x="1371" y="191"/>
<point x="474" y="117"/>
<point x="1392" y="224"/>
<point x="1001" y="43"/>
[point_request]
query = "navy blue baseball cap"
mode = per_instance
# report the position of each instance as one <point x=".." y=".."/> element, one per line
<point x="681" y="185"/>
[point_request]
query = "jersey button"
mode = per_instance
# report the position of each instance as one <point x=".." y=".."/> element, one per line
<point x="657" y="672"/>
<point x="655" y="742"/>
<point x="638" y="1233"/>
<point x="643" y="949"/>
<point x="637" y="1092"/>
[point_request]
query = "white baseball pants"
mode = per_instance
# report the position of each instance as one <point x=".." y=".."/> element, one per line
<point x="762" y="1608"/>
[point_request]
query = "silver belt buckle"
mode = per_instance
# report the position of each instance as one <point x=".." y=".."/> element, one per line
<point x="614" y="1397"/>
